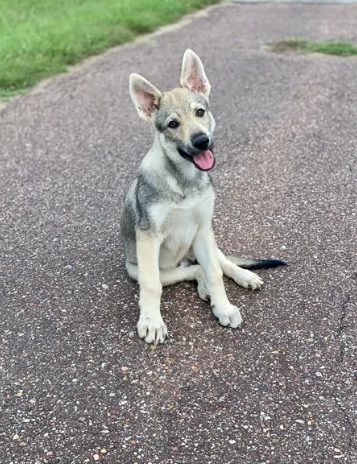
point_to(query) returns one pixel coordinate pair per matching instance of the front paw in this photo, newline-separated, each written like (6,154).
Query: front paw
(248,279)
(152,329)
(228,315)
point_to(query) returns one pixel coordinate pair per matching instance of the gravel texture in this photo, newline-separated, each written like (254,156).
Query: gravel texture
(77,385)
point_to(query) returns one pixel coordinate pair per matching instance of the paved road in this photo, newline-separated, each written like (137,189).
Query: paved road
(77,385)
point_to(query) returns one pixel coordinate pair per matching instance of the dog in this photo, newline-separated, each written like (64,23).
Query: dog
(166,225)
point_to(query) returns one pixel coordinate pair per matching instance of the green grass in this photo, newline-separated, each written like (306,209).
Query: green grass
(40,38)
(305,46)
(333,48)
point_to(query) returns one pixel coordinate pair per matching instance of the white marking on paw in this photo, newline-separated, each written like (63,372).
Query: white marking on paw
(228,315)
(152,329)
(247,279)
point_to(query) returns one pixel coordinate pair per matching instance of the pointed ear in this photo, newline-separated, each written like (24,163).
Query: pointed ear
(193,74)
(146,97)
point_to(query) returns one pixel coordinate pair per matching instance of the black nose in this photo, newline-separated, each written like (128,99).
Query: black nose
(200,142)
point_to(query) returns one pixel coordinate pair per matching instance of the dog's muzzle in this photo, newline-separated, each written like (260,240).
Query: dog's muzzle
(201,154)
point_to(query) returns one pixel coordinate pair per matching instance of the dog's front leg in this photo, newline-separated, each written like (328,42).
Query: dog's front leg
(206,253)
(151,326)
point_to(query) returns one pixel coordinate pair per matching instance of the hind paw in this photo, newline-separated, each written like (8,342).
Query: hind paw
(248,279)
(203,293)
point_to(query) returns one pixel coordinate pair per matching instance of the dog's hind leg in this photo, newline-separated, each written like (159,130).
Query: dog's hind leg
(242,277)
(169,276)
(176,275)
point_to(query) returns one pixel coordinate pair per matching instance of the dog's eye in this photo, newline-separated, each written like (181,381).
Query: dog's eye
(200,113)
(173,124)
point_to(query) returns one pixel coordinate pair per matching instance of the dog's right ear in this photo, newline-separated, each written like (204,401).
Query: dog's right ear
(146,97)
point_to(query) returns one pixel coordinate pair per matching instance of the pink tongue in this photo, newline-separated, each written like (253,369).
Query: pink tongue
(204,160)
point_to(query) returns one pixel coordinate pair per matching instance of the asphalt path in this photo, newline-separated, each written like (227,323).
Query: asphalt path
(77,385)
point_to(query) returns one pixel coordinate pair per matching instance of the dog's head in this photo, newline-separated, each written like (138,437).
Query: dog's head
(181,116)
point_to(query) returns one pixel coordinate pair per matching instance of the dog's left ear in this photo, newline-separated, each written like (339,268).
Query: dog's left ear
(193,74)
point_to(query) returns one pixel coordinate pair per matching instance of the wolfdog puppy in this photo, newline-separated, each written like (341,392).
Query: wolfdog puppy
(166,224)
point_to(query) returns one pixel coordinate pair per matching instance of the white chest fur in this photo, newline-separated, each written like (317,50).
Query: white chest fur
(179,223)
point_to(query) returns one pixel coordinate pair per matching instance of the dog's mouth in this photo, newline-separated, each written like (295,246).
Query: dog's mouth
(204,160)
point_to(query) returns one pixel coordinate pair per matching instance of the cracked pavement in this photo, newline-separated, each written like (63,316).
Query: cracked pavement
(77,385)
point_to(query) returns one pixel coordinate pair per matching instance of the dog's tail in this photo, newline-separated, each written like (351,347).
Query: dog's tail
(251,263)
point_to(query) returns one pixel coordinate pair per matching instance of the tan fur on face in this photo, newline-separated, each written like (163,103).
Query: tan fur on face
(181,105)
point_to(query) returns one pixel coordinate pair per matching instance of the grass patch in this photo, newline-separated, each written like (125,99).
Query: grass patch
(333,48)
(40,38)
(6,94)
(305,46)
